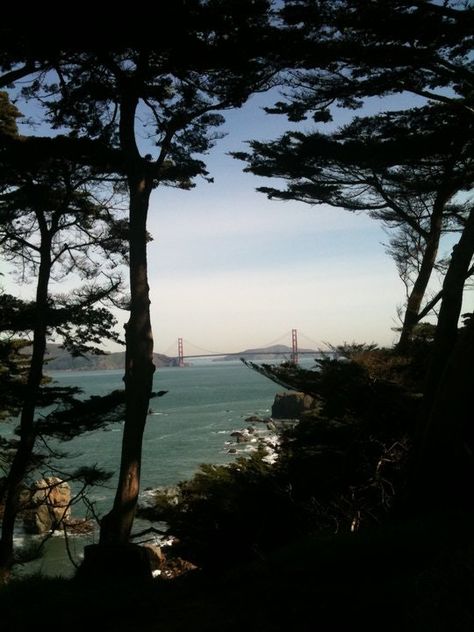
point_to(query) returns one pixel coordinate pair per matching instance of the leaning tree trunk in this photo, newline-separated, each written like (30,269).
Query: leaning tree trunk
(450,309)
(427,264)
(439,438)
(22,458)
(445,471)
(116,526)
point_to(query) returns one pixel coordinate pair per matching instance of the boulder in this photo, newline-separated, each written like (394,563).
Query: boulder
(155,556)
(241,436)
(291,405)
(48,506)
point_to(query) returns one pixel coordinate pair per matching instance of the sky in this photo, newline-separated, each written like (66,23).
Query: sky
(231,270)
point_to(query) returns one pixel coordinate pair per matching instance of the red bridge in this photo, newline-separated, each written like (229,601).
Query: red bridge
(293,354)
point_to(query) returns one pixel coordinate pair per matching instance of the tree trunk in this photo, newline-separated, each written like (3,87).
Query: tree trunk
(450,309)
(22,458)
(427,264)
(439,441)
(446,465)
(116,526)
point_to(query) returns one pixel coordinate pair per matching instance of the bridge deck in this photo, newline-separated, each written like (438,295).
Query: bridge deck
(241,354)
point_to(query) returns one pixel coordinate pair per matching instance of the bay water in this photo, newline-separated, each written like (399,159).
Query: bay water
(190,425)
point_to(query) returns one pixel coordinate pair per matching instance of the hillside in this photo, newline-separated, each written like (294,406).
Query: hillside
(274,352)
(60,360)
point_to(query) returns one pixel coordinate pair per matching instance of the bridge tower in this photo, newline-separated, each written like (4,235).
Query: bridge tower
(180,353)
(294,346)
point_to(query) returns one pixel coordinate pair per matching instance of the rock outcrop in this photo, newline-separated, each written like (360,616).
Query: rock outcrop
(48,505)
(292,405)
(155,556)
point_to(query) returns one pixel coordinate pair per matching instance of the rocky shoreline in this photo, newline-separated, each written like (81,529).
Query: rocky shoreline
(47,504)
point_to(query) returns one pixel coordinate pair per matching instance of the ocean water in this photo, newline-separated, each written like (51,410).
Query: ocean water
(190,425)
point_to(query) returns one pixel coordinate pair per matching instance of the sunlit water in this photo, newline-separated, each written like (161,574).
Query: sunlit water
(188,426)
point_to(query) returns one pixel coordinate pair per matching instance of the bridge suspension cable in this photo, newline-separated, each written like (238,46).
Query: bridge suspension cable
(213,352)
(313,342)
(170,350)
(191,344)
(285,336)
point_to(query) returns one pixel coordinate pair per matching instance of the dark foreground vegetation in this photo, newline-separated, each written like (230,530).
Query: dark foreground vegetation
(327,537)
(416,576)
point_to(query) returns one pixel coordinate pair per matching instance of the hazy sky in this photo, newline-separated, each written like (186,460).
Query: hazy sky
(230,269)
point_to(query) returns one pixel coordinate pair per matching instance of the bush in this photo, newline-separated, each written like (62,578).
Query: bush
(338,470)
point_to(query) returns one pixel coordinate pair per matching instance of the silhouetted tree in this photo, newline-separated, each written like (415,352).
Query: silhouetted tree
(28,393)
(174,78)
(443,475)
(13,366)
(347,50)
(403,168)
(53,224)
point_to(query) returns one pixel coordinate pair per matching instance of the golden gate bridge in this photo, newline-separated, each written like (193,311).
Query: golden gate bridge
(292,353)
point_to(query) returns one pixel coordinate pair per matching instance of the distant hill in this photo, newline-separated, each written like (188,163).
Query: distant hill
(61,360)
(274,352)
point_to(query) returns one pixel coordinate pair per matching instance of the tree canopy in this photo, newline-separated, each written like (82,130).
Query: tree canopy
(350,49)
(405,168)
(139,108)
(171,82)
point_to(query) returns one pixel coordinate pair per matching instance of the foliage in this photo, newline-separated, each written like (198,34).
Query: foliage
(8,115)
(227,514)
(375,163)
(171,85)
(74,320)
(416,576)
(54,221)
(74,416)
(340,469)
(176,79)
(13,373)
(350,49)
(404,168)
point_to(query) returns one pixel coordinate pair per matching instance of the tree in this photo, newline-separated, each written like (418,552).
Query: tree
(403,168)
(348,50)
(53,224)
(13,366)
(60,414)
(175,78)
(444,469)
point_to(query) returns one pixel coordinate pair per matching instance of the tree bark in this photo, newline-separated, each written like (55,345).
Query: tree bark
(439,437)
(446,465)
(116,526)
(417,294)
(450,309)
(22,458)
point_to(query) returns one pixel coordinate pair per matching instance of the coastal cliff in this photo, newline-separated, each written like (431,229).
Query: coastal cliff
(61,360)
